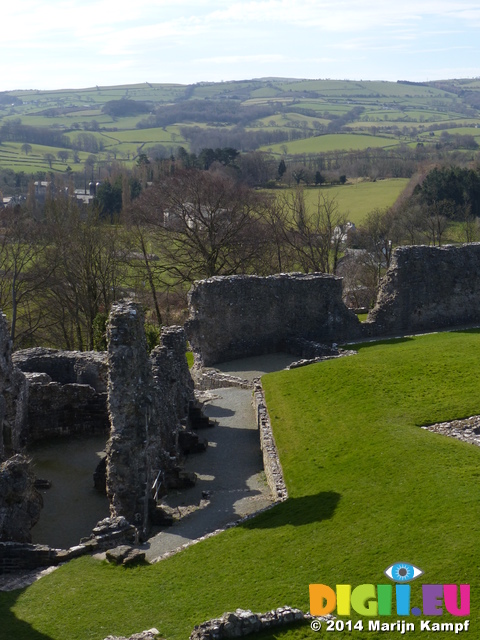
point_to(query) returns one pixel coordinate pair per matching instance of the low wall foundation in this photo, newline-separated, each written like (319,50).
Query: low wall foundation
(271,461)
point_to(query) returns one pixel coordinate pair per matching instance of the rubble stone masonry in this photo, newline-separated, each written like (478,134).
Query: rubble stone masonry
(428,288)
(238,316)
(148,401)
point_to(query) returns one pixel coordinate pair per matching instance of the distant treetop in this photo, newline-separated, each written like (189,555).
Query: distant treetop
(124,107)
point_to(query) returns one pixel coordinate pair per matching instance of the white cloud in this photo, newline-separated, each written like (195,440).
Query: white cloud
(140,18)
(344,15)
(173,39)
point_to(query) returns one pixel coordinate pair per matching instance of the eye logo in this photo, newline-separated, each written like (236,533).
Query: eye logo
(402,572)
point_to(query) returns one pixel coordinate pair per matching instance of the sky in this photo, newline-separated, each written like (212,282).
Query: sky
(55,44)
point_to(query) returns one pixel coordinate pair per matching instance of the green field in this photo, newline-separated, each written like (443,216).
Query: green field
(359,199)
(11,153)
(367,488)
(145,135)
(332,142)
(289,120)
(356,200)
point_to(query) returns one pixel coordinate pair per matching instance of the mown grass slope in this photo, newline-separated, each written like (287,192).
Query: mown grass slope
(367,487)
(358,199)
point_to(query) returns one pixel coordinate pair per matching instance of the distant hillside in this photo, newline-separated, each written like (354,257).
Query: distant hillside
(286,117)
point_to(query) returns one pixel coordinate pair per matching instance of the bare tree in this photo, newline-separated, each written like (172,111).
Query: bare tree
(359,270)
(437,221)
(25,274)
(315,234)
(145,265)
(89,256)
(204,224)
(470,225)
(378,235)
(278,253)
(410,222)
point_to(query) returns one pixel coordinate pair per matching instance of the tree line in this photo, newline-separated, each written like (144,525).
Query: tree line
(62,266)
(208,111)
(238,137)
(15,131)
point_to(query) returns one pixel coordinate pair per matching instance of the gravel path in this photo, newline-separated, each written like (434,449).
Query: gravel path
(230,470)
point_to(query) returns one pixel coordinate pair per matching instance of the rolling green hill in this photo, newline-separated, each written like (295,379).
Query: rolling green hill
(313,116)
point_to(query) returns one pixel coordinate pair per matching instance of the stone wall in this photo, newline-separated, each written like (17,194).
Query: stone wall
(20,502)
(148,401)
(236,624)
(425,289)
(173,385)
(150,634)
(208,378)
(65,367)
(238,316)
(108,533)
(67,392)
(271,460)
(428,288)
(56,409)
(245,623)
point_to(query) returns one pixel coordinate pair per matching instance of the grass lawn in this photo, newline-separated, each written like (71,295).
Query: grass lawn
(367,488)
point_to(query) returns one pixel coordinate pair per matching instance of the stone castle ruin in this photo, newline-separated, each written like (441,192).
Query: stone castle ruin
(149,401)
(145,402)
(238,316)
(20,502)
(425,288)
(67,392)
(428,288)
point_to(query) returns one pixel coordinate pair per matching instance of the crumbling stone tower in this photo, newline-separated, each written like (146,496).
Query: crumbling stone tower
(148,402)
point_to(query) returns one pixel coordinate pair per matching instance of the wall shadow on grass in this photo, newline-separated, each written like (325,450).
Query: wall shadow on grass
(11,627)
(297,511)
